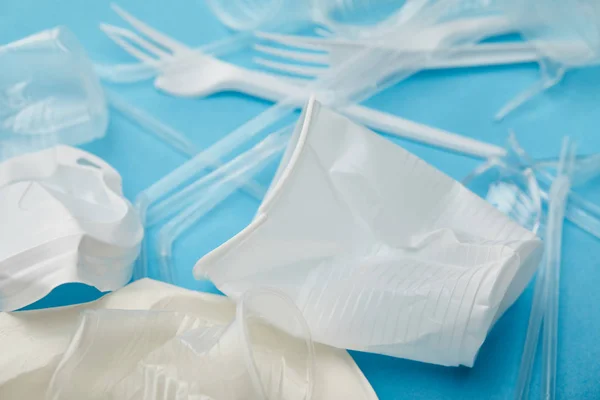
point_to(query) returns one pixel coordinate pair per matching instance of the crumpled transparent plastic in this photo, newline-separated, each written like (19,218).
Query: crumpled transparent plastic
(34,342)
(171,355)
(348,17)
(64,219)
(518,186)
(509,183)
(566,33)
(380,251)
(49,94)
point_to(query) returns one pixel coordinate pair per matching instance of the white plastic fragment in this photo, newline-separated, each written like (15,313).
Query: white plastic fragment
(544,306)
(64,219)
(380,251)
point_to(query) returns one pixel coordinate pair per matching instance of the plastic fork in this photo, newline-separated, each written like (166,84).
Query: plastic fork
(330,51)
(202,75)
(566,34)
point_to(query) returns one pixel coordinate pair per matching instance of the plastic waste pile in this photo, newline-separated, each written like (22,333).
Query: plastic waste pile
(356,243)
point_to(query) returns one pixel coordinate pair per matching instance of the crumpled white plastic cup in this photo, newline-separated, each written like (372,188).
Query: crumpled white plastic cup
(64,219)
(381,252)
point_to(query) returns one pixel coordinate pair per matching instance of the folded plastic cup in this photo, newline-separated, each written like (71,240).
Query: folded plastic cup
(49,94)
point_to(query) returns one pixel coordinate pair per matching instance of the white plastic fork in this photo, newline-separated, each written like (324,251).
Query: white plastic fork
(189,73)
(331,51)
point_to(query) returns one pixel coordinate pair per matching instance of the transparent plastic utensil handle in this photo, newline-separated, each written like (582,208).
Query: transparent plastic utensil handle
(230,177)
(544,296)
(558,200)
(170,136)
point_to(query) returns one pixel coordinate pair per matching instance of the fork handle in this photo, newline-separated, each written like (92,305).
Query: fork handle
(276,89)
(407,129)
(269,87)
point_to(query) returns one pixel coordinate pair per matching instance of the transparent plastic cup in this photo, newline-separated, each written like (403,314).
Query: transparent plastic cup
(244,15)
(348,16)
(156,355)
(49,94)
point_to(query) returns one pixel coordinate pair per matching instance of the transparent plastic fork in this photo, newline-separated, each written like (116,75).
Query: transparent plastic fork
(203,75)
(325,52)
(356,79)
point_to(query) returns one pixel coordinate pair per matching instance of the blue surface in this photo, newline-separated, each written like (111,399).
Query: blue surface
(463,101)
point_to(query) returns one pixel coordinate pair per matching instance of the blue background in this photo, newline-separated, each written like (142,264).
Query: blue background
(463,101)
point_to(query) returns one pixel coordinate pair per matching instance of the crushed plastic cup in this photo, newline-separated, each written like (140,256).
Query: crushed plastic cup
(64,219)
(35,341)
(566,32)
(172,355)
(49,94)
(353,226)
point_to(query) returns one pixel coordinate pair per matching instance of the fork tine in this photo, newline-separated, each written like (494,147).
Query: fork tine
(303,70)
(114,34)
(117,34)
(293,55)
(158,37)
(301,42)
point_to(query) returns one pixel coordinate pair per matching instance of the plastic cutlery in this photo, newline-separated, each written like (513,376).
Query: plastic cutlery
(202,75)
(330,51)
